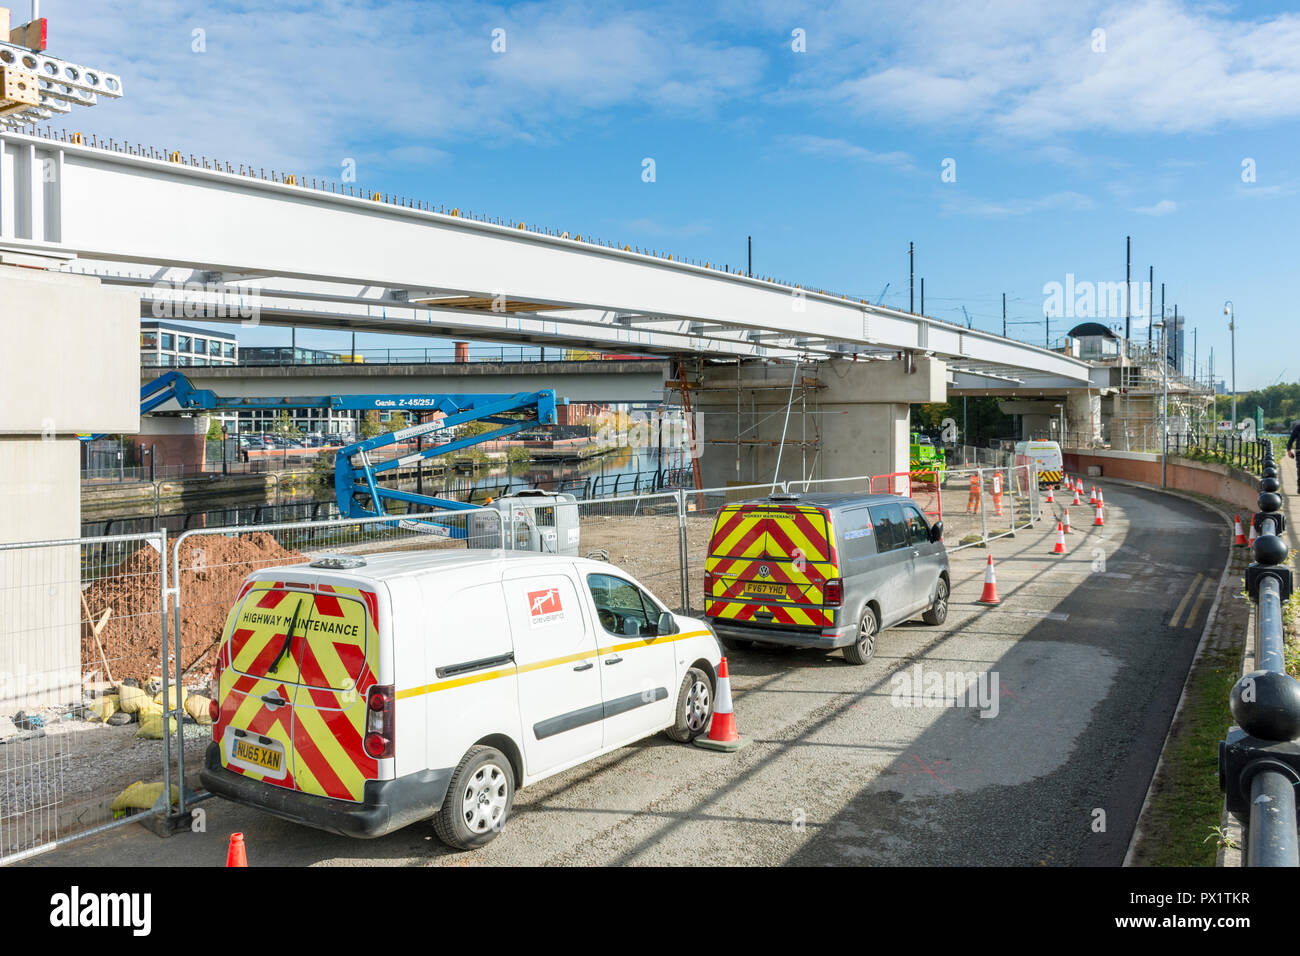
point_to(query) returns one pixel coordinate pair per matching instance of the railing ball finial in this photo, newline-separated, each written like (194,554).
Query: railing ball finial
(1266,705)
(1270,483)
(1269,549)
(1270,501)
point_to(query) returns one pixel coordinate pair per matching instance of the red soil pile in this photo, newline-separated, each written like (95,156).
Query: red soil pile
(212,568)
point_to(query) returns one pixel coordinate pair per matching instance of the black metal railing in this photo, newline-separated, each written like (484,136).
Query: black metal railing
(1259,762)
(1231,449)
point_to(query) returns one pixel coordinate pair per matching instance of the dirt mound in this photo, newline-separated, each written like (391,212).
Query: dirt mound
(212,568)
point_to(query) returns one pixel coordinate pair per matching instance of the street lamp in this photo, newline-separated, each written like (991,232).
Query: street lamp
(1232,333)
(1164,405)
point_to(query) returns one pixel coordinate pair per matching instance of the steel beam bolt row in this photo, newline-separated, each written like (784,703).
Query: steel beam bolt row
(1259,762)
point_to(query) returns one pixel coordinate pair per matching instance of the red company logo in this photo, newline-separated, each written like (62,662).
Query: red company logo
(541,603)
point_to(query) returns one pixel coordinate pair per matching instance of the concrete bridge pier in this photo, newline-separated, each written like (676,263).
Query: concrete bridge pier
(845,418)
(70,365)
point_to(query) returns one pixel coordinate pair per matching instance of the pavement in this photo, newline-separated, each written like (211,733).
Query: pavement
(1084,661)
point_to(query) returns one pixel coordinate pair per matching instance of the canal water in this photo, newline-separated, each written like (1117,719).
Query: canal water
(621,472)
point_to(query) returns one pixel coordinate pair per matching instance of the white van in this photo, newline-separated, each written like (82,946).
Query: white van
(1045,456)
(359,695)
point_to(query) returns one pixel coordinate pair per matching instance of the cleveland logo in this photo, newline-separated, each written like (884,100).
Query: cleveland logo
(544,606)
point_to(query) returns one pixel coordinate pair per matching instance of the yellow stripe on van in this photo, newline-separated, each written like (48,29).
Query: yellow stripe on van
(553,662)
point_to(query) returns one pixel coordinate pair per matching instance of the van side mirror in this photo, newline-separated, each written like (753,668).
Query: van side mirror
(936,532)
(666,624)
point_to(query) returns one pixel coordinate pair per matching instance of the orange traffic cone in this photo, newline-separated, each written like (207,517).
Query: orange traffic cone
(1239,537)
(1076,500)
(990,594)
(1060,540)
(722,730)
(1066,522)
(235,856)
(1101,498)
(1100,521)
(1250,542)
(1050,499)
(1092,495)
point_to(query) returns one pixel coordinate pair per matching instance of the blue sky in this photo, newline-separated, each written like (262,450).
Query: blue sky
(1063,140)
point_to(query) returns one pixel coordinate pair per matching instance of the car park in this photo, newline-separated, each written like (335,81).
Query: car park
(823,570)
(359,695)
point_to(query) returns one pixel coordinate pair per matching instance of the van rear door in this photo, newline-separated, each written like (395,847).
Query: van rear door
(768,564)
(298,663)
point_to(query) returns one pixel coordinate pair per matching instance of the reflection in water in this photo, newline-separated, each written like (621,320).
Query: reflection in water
(623,471)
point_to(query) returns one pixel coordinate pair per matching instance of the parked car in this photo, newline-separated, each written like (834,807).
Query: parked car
(359,695)
(823,571)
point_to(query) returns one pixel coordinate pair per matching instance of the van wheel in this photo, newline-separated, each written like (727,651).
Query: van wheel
(938,612)
(479,799)
(694,706)
(736,643)
(860,651)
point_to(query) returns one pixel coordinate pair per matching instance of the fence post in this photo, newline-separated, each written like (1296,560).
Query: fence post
(984,519)
(682,559)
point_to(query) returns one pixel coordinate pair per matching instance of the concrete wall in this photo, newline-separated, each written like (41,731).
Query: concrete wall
(1218,481)
(858,413)
(70,364)
(175,439)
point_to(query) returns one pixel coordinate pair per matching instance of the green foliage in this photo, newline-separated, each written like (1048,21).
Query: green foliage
(371,425)
(396,421)
(214,429)
(984,419)
(516,454)
(1281,405)
(285,427)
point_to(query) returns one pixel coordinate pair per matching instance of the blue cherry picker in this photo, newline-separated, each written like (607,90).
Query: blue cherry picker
(356,478)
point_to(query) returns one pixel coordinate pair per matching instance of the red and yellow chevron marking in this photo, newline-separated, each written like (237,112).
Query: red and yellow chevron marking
(792,542)
(325,678)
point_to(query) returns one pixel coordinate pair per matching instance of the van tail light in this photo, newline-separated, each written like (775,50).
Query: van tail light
(214,705)
(833,591)
(709,579)
(380,705)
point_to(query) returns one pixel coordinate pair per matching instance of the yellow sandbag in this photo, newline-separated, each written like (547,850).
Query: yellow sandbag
(151,726)
(148,708)
(140,796)
(130,698)
(103,707)
(172,699)
(196,705)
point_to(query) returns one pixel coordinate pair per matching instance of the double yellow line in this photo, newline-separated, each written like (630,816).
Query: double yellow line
(1202,588)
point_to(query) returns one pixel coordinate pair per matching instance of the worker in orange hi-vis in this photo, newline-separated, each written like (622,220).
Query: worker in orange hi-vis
(973,501)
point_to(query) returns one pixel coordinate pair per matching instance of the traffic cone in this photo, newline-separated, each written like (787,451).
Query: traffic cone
(1101,498)
(235,856)
(1050,499)
(1092,495)
(1060,540)
(1239,536)
(1066,522)
(1250,542)
(990,594)
(1076,500)
(722,729)
(1100,521)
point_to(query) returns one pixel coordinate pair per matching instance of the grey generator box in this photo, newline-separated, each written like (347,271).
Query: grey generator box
(541,521)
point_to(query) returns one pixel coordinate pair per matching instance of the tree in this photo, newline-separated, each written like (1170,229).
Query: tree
(371,425)
(284,426)
(396,421)
(214,429)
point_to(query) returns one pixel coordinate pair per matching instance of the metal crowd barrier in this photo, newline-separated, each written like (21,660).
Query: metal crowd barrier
(1259,762)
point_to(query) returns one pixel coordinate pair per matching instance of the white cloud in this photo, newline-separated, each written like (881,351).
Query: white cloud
(1163,208)
(308,84)
(993,209)
(1028,70)
(843,149)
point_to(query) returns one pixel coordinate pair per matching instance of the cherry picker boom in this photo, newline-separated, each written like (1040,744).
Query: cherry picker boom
(356,486)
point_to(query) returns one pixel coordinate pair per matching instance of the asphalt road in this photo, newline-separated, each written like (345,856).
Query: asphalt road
(1089,651)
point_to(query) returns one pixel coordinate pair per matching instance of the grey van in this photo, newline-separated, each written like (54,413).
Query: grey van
(823,570)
